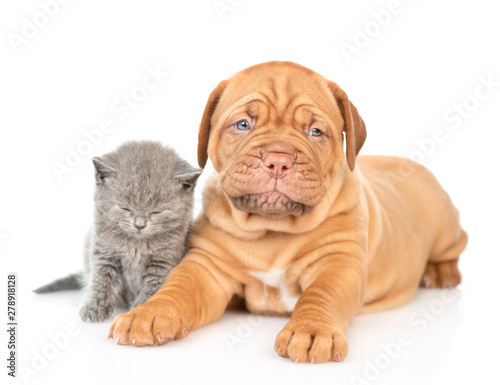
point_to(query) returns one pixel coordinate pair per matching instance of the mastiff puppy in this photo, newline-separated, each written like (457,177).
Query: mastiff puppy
(295,224)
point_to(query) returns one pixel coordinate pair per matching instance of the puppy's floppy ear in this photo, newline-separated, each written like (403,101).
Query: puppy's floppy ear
(354,127)
(204,132)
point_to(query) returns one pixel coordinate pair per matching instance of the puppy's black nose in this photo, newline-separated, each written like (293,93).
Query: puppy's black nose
(139,222)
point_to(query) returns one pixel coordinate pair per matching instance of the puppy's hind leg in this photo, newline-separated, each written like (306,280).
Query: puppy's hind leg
(441,274)
(442,269)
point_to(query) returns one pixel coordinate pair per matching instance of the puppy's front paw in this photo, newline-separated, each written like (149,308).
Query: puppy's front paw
(147,324)
(301,341)
(93,312)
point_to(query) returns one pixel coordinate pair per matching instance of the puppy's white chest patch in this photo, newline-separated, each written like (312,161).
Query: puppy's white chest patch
(274,278)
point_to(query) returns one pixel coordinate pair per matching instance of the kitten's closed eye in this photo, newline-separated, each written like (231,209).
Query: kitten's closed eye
(126,209)
(161,214)
(157,214)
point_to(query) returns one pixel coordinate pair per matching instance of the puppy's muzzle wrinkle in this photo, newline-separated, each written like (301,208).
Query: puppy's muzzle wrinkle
(272,203)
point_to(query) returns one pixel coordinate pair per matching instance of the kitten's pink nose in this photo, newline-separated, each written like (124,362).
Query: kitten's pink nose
(139,222)
(277,163)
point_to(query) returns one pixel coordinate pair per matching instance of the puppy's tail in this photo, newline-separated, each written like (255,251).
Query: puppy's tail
(71,282)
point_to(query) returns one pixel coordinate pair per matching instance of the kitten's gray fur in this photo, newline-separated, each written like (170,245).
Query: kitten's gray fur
(143,208)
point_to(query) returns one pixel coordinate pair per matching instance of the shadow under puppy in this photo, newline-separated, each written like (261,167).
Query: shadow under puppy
(143,209)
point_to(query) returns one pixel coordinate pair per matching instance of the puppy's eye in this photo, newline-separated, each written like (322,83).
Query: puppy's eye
(315,132)
(242,125)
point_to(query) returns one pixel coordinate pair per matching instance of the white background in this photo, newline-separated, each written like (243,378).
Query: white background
(428,57)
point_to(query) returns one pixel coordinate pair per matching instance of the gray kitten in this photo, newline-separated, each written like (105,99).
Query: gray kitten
(143,208)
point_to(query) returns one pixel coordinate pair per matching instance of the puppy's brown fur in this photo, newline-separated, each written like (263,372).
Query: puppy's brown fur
(293,224)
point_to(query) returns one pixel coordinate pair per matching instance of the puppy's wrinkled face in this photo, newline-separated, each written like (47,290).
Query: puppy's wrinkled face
(276,141)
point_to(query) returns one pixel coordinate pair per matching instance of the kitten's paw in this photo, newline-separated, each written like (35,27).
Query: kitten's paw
(92,312)
(147,324)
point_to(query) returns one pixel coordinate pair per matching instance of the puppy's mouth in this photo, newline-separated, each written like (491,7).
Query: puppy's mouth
(270,204)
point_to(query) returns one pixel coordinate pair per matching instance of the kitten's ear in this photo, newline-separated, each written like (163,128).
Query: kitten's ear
(188,179)
(102,170)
